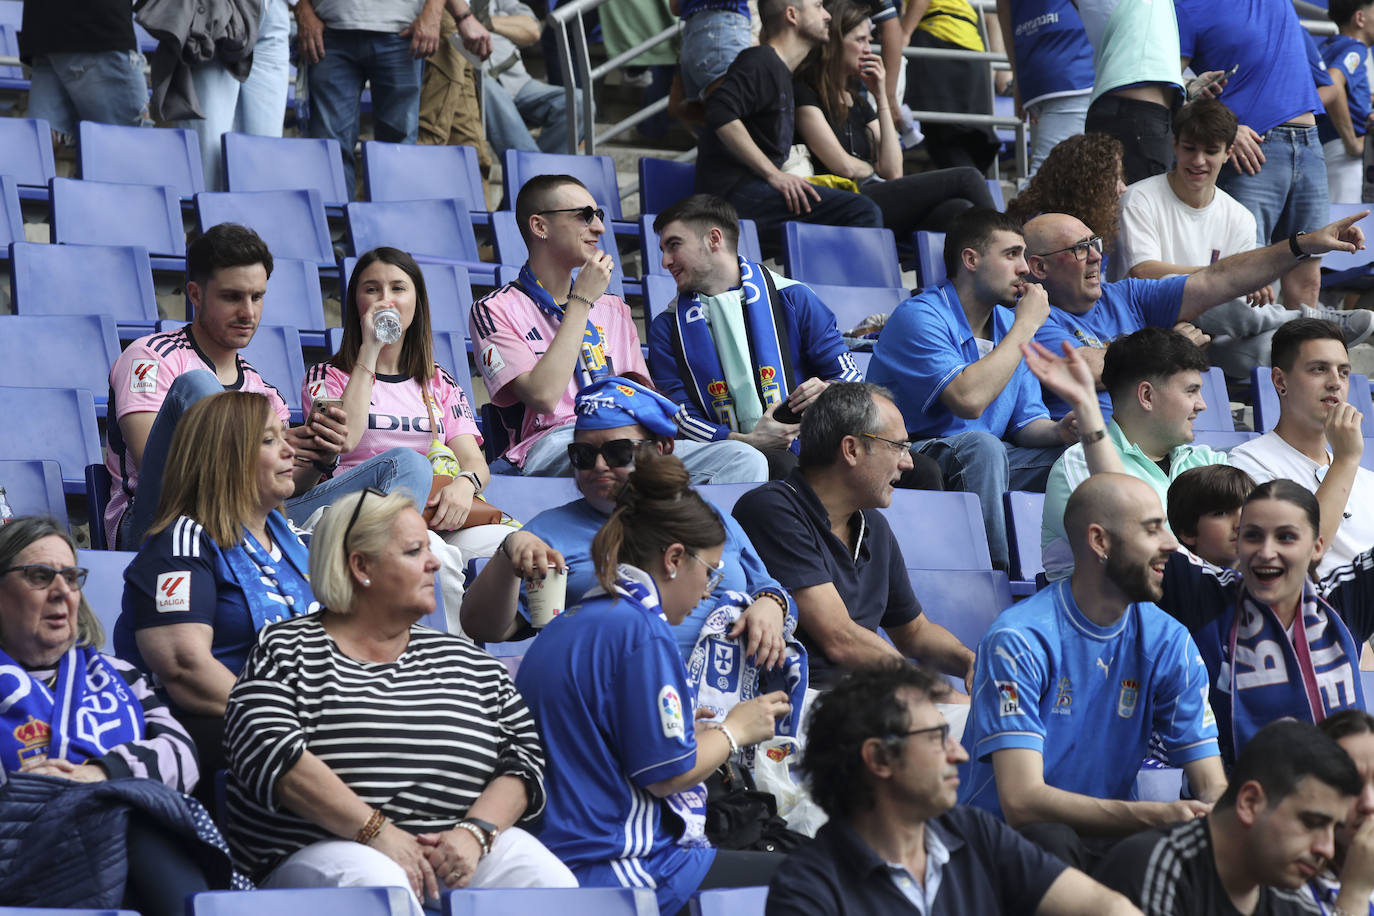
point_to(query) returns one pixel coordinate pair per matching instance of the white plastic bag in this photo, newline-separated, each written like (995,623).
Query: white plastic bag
(773,760)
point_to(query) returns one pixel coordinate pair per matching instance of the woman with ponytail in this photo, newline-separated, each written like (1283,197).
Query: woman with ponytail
(608,688)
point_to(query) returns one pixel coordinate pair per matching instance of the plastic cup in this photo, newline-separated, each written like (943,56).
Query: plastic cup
(546,596)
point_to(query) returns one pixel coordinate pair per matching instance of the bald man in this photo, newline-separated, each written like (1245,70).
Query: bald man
(1070,683)
(1066,257)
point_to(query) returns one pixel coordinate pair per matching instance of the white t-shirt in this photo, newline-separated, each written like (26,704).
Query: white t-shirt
(1269,457)
(1157,226)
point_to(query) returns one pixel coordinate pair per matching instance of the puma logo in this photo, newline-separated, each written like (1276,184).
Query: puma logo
(1106,668)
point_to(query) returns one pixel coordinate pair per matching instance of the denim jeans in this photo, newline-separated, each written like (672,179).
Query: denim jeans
(351,58)
(768,209)
(255,106)
(1289,192)
(1054,120)
(104,86)
(711,40)
(730,461)
(1143,129)
(980,463)
(537,104)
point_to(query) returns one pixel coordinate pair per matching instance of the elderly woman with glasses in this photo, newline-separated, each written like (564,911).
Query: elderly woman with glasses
(365,749)
(76,715)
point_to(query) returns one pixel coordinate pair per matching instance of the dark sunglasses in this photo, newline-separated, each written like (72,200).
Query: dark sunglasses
(40,575)
(586,213)
(357,507)
(618,453)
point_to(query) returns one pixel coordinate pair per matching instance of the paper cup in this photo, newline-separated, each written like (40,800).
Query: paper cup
(546,596)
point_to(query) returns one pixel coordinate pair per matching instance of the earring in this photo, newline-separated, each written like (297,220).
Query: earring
(1282,391)
(672,574)
(1102,559)
(367,583)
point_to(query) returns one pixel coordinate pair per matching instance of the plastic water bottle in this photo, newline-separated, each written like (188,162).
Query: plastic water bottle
(6,513)
(386,323)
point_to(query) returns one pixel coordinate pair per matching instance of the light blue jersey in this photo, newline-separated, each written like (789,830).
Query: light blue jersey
(1086,697)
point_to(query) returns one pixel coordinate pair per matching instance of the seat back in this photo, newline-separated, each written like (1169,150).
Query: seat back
(1217,416)
(596,172)
(55,423)
(447,285)
(1340,262)
(734,901)
(58,351)
(253,163)
(525,497)
(451,352)
(511,250)
(108,213)
(653,258)
(565,901)
(336,901)
(291,222)
(959,541)
(1024,512)
(852,304)
(11,217)
(136,155)
(34,487)
(1267,406)
(930,258)
(404,171)
(664,182)
(98,482)
(104,589)
(724,495)
(963,601)
(425,228)
(26,152)
(275,351)
(840,255)
(293,299)
(113,280)
(1223,442)
(995,189)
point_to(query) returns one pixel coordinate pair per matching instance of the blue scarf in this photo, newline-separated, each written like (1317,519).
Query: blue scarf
(90,712)
(769,353)
(274,590)
(1260,675)
(591,362)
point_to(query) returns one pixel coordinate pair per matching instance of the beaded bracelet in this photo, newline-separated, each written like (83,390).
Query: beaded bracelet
(368,832)
(776,597)
(477,833)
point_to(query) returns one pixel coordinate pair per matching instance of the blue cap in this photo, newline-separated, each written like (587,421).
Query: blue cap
(618,401)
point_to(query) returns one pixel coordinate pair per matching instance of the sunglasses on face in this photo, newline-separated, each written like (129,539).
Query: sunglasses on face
(586,214)
(40,575)
(618,453)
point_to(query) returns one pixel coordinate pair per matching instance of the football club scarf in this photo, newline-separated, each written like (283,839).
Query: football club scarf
(273,589)
(89,711)
(737,361)
(591,360)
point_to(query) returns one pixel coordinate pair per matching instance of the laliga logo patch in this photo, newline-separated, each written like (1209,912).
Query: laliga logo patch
(670,713)
(1125,704)
(315,389)
(174,592)
(491,361)
(1008,698)
(1352,62)
(143,376)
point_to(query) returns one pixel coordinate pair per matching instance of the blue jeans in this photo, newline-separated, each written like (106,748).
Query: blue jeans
(1055,120)
(711,40)
(1289,192)
(758,200)
(336,84)
(982,464)
(255,106)
(104,86)
(399,467)
(730,461)
(537,104)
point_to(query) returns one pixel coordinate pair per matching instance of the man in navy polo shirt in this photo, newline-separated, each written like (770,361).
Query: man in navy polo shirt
(882,763)
(819,533)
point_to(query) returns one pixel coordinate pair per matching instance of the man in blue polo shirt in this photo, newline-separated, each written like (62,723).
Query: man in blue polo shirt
(952,358)
(1066,256)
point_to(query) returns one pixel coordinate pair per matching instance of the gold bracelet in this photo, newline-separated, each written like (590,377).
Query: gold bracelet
(368,832)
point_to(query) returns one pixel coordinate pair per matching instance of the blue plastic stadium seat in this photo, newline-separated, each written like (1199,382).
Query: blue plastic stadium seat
(26,155)
(404,171)
(136,155)
(438,230)
(293,299)
(98,482)
(11,217)
(840,255)
(1267,400)
(1217,417)
(105,586)
(725,495)
(663,182)
(1347,270)
(11,78)
(659,294)
(862,359)
(12,12)
(275,351)
(113,280)
(511,250)
(735,901)
(109,213)
(336,901)
(292,222)
(525,497)
(1024,513)
(451,352)
(959,541)
(58,351)
(1223,442)
(253,163)
(930,258)
(852,304)
(56,423)
(565,901)
(995,189)
(596,172)
(653,258)
(34,487)
(447,284)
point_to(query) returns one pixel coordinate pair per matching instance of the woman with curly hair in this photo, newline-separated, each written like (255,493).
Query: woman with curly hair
(1081,177)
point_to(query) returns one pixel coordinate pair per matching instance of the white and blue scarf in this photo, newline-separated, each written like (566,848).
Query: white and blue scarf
(273,589)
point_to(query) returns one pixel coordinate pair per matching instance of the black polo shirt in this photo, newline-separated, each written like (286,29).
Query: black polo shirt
(790,529)
(991,869)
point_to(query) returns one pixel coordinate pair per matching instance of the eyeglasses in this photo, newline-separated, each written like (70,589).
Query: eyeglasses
(898,446)
(716,573)
(618,453)
(1080,249)
(586,213)
(357,507)
(942,729)
(40,575)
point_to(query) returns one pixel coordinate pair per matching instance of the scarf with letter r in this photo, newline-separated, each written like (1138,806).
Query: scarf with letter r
(591,360)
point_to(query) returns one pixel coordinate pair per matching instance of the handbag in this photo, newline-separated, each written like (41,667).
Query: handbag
(446,468)
(739,816)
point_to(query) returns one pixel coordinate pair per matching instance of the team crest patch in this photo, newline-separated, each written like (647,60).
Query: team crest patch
(143,376)
(1130,693)
(670,713)
(174,592)
(1008,698)
(491,361)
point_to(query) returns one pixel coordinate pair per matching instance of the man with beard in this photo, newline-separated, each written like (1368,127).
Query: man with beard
(1070,683)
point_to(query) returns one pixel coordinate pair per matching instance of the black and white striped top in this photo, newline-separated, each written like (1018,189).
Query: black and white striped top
(419,738)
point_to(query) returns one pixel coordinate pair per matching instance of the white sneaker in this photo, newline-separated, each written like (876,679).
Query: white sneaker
(1356,324)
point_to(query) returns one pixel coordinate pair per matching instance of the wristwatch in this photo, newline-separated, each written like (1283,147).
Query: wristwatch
(473,478)
(1297,251)
(489,830)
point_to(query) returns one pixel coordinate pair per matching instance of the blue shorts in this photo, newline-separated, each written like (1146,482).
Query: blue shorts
(1289,194)
(711,40)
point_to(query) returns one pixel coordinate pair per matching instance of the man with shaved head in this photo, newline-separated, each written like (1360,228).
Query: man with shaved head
(1066,257)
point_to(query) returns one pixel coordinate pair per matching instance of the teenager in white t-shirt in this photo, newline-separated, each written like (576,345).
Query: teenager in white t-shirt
(1180,222)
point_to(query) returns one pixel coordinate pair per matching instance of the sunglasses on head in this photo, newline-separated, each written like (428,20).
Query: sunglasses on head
(618,453)
(587,214)
(353,519)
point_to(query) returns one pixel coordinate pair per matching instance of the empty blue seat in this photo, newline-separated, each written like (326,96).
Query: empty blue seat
(725,495)
(55,423)
(11,217)
(109,213)
(1267,400)
(404,171)
(104,588)
(840,255)
(525,497)
(34,487)
(113,280)
(275,351)
(294,299)
(253,163)
(852,304)
(446,283)
(292,222)
(596,172)
(52,351)
(1024,513)
(451,352)
(98,482)
(1217,416)
(963,601)
(664,182)
(26,155)
(511,250)
(734,901)
(659,294)
(11,78)
(653,258)
(959,541)
(336,901)
(432,229)
(565,901)
(930,258)
(136,155)
(12,11)
(1223,442)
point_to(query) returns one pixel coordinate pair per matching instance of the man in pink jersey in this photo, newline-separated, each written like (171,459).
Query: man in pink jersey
(158,377)
(541,339)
